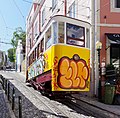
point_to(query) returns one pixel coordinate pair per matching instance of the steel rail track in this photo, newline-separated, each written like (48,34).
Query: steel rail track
(97,107)
(90,109)
(71,101)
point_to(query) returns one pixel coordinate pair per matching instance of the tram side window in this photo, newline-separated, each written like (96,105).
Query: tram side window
(36,53)
(33,56)
(55,32)
(42,45)
(75,35)
(29,61)
(38,50)
(61,32)
(48,41)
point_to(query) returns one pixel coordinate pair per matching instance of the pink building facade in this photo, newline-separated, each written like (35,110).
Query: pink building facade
(108,33)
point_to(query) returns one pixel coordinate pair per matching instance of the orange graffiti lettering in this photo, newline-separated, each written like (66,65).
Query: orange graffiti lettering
(73,73)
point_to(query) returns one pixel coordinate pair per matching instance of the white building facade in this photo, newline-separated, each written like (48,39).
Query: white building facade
(19,56)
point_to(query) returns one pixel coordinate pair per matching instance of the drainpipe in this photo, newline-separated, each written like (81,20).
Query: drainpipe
(65,7)
(93,49)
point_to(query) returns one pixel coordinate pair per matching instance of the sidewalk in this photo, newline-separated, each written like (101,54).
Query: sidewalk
(5,109)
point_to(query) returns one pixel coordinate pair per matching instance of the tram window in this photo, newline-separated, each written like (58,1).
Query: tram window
(31,58)
(55,32)
(75,35)
(42,45)
(29,61)
(33,55)
(43,16)
(30,43)
(48,41)
(61,32)
(36,53)
(38,50)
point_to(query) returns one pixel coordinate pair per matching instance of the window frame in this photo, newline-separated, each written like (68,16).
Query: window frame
(75,39)
(54,4)
(72,10)
(112,6)
(43,16)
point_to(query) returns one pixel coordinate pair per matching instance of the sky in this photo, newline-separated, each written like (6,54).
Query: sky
(13,14)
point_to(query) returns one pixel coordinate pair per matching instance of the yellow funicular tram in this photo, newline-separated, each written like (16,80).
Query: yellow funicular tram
(60,58)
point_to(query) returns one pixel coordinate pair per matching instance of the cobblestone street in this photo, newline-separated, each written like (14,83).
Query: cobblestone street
(34,105)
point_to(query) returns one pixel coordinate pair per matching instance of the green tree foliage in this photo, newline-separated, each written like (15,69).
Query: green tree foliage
(19,34)
(11,54)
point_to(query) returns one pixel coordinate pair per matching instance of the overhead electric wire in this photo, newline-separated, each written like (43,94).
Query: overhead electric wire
(11,44)
(10,28)
(58,7)
(4,42)
(47,15)
(20,12)
(4,23)
(3,19)
(81,5)
(27,1)
(103,6)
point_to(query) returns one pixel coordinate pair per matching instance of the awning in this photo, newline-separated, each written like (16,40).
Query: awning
(114,38)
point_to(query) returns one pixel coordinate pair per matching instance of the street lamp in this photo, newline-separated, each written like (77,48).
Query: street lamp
(98,48)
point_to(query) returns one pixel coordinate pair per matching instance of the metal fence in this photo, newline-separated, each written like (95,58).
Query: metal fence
(14,100)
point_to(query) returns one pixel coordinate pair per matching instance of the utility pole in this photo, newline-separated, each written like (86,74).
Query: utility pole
(65,7)
(93,3)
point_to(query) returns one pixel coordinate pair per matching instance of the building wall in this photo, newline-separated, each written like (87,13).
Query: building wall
(29,27)
(106,14)
(107,22)
(19,56)
(36,29)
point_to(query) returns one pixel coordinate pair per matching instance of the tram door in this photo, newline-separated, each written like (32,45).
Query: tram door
(115,57)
